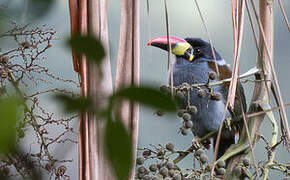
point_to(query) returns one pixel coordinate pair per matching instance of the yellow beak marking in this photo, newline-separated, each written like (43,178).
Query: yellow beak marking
(180,48)
(191,57)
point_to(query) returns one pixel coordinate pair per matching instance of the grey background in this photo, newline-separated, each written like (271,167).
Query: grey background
(184,22)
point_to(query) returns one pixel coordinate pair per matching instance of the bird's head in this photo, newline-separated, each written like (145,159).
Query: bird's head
(190,49)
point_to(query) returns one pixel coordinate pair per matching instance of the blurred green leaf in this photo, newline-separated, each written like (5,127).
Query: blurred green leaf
(75,104)
(8,120)
(89,46)
(118,148)
(147,96)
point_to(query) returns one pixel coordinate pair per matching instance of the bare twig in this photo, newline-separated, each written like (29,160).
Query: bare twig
(286,130)
(284,14)
(208,35)
(169,62)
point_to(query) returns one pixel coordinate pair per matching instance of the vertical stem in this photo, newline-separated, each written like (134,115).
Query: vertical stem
(90,17)
(128,67)
(260,95)
(99,88)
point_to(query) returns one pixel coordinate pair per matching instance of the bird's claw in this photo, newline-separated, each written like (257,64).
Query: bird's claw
(228,123)
(200,142)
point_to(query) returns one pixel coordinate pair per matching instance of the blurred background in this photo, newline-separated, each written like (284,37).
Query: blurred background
(184,22)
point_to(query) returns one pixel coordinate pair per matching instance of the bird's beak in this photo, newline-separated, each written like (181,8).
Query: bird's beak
(179,46)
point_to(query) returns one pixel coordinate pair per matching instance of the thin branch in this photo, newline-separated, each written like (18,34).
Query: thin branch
(169,46)
(283,112)
(250,72)
(284,14)
(208,35)
(273,140)
(265,111)
(249,138)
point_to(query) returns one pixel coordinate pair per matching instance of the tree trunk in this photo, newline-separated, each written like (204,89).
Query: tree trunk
(128,66)
(96,82)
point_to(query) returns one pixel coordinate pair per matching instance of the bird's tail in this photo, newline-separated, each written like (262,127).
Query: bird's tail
(227,139)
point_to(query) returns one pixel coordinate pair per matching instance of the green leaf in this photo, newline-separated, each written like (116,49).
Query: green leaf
(75,104)
(118,149)
(8,120)
(89,46)
(147,96)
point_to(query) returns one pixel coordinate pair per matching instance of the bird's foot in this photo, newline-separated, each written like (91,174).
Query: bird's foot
(201,142)
(228,123)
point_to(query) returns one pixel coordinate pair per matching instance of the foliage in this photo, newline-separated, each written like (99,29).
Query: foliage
(89,46)
(24,80)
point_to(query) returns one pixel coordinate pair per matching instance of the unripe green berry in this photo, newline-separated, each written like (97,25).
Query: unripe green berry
(170,165)
(216,96)
(146,153)
(159,113)
(186,116)
(140,175)
(201,93)
(141,169)
(153,167)
(192,109)
(179,94)
(170,147)
(203,158)
(164,171)
(176,177)
(161,152)
(188,124)
(185,84)
(171,172)
(199,152)
(140,160)
(156,178)
(25,44)
(160,165)
(181,112)
(4,59)
(221,171)
(184,131)
(221,163)
(212,75)
(146,177)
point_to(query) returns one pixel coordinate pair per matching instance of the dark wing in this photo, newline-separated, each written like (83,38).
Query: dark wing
(228,137)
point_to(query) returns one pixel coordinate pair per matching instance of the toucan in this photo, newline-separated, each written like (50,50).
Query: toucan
(195,60)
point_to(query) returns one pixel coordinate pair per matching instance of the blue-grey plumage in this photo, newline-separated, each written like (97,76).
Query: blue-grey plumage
(194,61)
(209,115)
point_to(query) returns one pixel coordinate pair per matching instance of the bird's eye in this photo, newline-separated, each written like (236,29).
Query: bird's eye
(197,50)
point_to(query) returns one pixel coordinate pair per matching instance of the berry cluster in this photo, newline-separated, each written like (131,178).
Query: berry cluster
(162,167)
(157,163)
(182,94)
